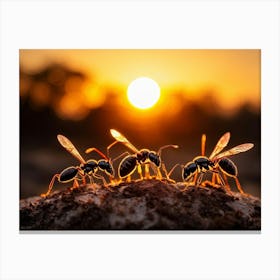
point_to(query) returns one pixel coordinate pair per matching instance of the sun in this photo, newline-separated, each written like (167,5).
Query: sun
(143,93)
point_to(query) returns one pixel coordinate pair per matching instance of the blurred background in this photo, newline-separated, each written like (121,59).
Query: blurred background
(83,93)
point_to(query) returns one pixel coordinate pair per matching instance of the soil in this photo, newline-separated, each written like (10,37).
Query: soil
(142,205)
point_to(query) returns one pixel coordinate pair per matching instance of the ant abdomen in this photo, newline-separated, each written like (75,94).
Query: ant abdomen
(189,170)
(228,167)
(127,166)
(68,174)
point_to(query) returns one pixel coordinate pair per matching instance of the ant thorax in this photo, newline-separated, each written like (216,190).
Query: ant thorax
(143,155)
(89,167)
(203,163)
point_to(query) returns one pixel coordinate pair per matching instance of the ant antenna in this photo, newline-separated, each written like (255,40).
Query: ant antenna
(89,150)
(172,169)
(167,146)
(203,144)
(121,155)
(110,146)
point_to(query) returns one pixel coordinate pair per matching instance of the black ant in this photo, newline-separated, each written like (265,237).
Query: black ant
(216,162)
(104,164)
(76,173)
(144,156)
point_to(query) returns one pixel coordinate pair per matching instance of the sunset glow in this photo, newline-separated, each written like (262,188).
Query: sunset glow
(230,78)
(143,93)
(232,74)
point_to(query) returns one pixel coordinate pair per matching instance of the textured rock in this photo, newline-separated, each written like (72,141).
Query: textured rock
(142,205)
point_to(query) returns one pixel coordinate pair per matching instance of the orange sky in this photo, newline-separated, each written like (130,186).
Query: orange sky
(233,74)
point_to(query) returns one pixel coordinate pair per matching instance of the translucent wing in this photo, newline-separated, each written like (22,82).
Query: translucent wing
(119,137)
(67,144)
(236,150)
(221,144)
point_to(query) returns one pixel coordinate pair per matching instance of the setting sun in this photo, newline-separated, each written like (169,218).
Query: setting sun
(143,93)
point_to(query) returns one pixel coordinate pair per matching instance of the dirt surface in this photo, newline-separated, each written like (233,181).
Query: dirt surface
(142,205)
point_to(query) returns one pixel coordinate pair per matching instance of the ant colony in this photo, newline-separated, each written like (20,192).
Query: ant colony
(217,164)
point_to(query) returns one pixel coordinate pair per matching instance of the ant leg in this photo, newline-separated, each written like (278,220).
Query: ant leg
(139,169)
(188,183)
(112,180)
(164,170)
(82,175)
(110,146)
(128,179)
(213,180)
(226,183)
(104,181)
(91,179)
(100,177)
(155,170)
(75,185)
(50,185)
(159,175)
(172,169)
(200,178)
(239,186)
(147,171)
(84,180)
(195,178)
(167,174)
(218,178)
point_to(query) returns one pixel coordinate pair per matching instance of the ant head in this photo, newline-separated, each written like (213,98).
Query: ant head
(106,166)
(154,158)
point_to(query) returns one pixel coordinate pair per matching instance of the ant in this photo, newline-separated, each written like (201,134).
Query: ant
(144,156)
(216,162)
(104,164)
(75,173)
